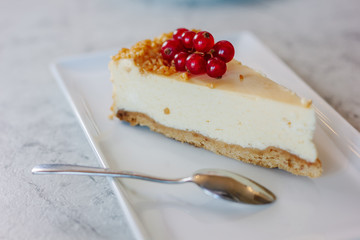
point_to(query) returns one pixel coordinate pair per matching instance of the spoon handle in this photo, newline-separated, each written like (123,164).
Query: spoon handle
(68,169)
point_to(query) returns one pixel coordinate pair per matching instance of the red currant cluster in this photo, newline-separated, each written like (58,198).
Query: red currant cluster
(197,53)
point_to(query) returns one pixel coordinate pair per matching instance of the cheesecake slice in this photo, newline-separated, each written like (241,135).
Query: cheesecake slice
(243,115)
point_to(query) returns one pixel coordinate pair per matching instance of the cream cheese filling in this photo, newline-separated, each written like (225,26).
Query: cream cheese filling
(235,117)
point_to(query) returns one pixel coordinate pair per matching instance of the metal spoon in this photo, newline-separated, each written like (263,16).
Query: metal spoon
(215,182)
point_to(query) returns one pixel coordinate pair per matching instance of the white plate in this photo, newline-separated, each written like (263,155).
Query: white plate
(324,208)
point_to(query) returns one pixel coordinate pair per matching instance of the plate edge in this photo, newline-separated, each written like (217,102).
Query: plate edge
(135,224)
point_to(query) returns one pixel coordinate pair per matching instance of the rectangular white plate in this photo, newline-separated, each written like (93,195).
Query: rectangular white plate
(324,208)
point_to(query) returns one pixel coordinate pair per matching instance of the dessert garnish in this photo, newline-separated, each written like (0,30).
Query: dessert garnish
(197,53)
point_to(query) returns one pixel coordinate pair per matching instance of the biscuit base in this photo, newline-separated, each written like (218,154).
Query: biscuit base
(270,157)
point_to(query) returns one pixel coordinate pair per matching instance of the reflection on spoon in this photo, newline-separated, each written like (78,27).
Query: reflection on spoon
(215,182)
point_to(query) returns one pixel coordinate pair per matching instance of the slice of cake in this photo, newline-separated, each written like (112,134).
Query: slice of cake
(242,115)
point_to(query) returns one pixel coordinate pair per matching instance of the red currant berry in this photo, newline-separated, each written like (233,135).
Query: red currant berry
(203,41)
(180,61)
(187,39)
(170,48)
(215,67)
(224,50)
(195,63)
(207,56)
(178,32)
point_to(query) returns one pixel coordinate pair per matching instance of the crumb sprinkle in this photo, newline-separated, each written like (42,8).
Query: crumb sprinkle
(211,85)
(306,102)
(166,111)
(184,76)
(147,56)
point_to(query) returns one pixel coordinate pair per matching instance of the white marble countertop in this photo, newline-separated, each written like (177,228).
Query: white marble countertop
(318,39)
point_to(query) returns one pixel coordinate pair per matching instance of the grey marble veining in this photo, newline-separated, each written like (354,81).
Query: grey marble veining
(318,39)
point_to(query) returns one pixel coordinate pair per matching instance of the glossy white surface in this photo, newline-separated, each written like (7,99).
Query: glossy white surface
(322,208)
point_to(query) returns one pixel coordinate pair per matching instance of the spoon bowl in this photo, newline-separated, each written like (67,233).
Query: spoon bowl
(232,187)
(217,183)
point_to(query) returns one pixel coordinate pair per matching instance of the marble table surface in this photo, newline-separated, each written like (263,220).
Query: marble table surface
(318,39)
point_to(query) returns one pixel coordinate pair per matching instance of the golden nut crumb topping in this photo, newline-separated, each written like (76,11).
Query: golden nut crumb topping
(211,85)
(167,111)
(306,102)
(147,56)
(184,76)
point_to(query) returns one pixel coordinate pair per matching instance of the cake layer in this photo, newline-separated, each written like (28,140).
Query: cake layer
(252,118)
(250,83)
(271,157)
